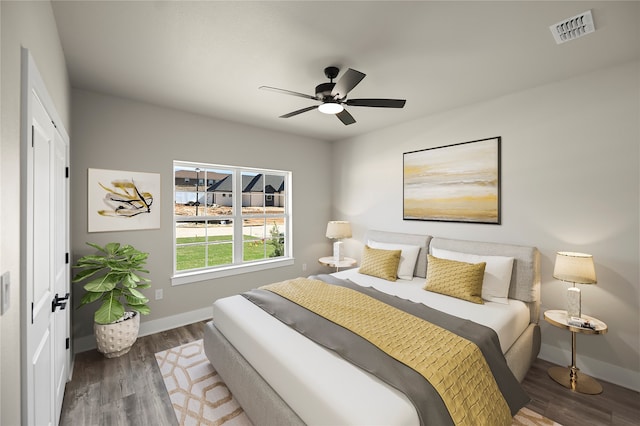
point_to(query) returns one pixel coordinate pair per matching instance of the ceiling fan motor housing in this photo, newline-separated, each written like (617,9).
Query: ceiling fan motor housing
(323,91)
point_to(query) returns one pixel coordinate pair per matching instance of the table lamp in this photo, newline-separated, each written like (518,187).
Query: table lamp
(337,230)
(576,268)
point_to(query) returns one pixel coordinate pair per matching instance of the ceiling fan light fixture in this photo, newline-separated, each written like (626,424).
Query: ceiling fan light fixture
(330,108)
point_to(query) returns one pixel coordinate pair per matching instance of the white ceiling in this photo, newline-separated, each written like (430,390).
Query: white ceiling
(210,57)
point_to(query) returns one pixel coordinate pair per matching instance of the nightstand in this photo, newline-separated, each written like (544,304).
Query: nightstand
(330,261)
(571,377)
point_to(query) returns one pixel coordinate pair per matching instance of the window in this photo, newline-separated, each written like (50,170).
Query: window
(240,221)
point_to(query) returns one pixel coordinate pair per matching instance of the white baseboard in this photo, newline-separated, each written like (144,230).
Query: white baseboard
(598,369)
(87,343)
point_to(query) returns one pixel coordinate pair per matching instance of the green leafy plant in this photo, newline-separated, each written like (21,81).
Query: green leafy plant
(277,241)
(114,281)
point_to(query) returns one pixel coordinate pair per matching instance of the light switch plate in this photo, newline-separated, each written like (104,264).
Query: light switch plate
(5,290)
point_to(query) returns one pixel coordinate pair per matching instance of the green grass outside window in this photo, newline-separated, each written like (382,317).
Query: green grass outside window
(220,251)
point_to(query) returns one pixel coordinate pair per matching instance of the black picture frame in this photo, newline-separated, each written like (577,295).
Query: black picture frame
(454,183)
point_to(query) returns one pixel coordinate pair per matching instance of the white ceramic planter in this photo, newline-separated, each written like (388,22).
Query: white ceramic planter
(116,339)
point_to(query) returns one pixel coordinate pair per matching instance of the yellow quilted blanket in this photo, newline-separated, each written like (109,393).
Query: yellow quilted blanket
(454,366)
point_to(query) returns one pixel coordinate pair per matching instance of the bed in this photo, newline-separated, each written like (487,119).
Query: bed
(280,377)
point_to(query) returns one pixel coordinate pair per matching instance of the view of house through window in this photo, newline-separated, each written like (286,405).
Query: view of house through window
(229,216)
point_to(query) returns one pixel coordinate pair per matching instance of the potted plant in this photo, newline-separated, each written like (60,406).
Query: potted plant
(113,280)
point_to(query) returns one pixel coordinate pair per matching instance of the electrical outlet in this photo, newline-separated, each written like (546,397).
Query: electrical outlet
(159,294)
(5,290)
(304,267)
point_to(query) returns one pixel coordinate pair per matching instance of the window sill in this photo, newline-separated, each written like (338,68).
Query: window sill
(192,277)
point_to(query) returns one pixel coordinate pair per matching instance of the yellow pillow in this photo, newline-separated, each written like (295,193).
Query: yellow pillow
(456,279)
(380,263)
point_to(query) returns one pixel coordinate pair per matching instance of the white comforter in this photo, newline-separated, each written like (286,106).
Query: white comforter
(319,385)
(508,321)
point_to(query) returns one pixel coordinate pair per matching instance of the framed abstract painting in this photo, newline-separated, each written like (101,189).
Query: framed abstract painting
(121,200)
(453,183)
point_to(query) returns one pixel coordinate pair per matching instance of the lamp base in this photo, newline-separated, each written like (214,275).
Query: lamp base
(338,251)
(573,302)
(572,378)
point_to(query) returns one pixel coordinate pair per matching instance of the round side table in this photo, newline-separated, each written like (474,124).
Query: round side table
(330,261)
(571,377)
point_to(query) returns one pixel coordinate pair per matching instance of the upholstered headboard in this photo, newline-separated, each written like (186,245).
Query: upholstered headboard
(525,276)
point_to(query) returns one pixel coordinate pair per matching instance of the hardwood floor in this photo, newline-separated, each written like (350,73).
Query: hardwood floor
(129,390)
(614,406)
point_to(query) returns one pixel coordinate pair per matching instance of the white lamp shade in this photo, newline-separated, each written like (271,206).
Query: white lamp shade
(338,229)
(575,268)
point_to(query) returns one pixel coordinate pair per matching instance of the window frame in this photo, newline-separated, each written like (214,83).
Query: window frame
(238,265)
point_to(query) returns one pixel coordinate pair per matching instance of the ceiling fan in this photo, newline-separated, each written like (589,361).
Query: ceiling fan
(333,96)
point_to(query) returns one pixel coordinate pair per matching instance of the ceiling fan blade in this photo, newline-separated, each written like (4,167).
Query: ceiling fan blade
(347,82)
(287,92)
(300,111)
(378,103)
(345,117)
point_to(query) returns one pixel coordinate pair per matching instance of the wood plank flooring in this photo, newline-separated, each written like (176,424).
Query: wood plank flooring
(614,406)
(129,390)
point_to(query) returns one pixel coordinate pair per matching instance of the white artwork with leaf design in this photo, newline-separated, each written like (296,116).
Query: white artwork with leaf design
(122,200)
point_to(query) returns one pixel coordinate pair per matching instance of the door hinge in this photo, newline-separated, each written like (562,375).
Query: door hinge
(66,172)
(33,132)
(66,258)
(67,343)
(31,312)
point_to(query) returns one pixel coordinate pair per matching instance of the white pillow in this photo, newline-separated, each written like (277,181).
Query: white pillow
(408,257)
(497,273)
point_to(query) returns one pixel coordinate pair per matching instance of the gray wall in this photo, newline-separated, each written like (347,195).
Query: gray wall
(570,161)
(30,25)
(118,134)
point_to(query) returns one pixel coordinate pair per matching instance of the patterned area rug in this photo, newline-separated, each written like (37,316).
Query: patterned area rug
(198,394)
(200,397)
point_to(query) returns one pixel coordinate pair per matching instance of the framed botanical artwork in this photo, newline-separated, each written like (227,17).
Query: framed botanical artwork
(453,183)
(121,200)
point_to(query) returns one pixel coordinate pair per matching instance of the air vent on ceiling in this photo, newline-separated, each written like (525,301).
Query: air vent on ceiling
(572,28)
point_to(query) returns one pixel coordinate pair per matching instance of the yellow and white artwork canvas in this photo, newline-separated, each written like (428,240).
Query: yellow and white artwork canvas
(453,183)
(123,200)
